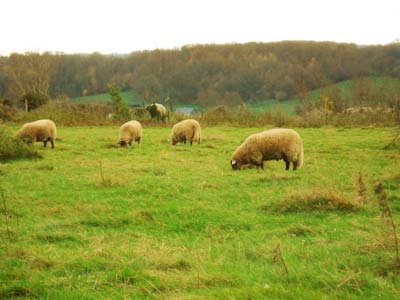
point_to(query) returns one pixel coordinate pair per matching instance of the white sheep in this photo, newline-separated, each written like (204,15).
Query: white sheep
(157,110)
(38,131)
(274,144)
(186,130)
(129,132)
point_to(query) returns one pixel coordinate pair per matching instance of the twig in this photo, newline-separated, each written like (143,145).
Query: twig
(279,257)
(387,212)
(3,196)
(347,279)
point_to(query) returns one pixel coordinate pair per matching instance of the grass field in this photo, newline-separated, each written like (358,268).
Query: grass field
(93,221)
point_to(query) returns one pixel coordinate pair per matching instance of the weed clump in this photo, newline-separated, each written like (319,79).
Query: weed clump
(316,200)
(14,148)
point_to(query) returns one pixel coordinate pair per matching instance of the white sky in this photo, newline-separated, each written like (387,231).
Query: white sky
(123,26)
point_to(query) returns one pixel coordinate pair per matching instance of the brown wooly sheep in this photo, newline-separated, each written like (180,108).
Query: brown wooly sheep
(129,132)
(159,112)
(186,130)
(38,131)
(274,144)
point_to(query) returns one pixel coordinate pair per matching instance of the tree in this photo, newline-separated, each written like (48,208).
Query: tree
(119,108)
(231,99)
(208,98)
(30,78)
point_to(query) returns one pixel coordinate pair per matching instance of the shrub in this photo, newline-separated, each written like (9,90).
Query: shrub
(14,148)
(7,112)
(69,114)
(316,200)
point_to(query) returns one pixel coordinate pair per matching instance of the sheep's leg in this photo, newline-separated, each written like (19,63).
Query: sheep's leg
(44,144)
(257,163)
(52,144)
(138,141)
(295,163)
(287,165)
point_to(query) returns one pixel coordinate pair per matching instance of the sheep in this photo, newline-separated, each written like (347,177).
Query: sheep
(157,110)
(186,130)
(129,132)
(38,131)
(274,144)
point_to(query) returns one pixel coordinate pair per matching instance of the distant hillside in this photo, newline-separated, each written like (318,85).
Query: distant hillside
(199,74)
(368,86)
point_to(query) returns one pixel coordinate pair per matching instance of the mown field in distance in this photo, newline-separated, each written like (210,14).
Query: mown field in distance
(132,98)
(94,221)
(129,97)
(273,105)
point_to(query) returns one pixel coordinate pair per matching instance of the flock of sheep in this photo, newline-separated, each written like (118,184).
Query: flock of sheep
(274,144)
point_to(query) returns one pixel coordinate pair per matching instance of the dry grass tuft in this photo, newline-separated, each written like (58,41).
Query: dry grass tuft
(45,167)
(362,190)
(276,176)
(316,200)
(302,230)
(180,265)
(208,185)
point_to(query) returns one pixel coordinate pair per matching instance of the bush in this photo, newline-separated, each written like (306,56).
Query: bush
(14,148)
(7,112)
(316,200)
(69,114)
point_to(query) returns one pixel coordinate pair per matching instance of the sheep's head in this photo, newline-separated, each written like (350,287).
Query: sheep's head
(173,139)
(235,164)
(153,110)
(123,143)
(24,137)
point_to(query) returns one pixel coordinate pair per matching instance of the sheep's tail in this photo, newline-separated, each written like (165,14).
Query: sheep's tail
(55,133)
(199,132)
(300,156)
(193,134)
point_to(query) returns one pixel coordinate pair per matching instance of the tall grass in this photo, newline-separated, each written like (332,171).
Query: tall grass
(14,148)
(78,114)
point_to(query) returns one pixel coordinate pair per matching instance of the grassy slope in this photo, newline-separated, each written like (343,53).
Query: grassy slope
(178,223)
(129,97)
(346,87)
(287,106)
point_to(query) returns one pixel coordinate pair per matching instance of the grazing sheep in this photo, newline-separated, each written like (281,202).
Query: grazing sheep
(157,110)
(38,131)
(274,144)
(129,132)
(186,130)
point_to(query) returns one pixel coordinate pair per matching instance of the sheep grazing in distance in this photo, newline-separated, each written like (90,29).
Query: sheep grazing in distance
(38,131)
(157,110)
(129,132)
(274,144)
(186,130)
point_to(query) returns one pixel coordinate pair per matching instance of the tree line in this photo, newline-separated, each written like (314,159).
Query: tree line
(196,74)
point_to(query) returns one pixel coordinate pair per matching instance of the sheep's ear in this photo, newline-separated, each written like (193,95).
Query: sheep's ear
(233,162)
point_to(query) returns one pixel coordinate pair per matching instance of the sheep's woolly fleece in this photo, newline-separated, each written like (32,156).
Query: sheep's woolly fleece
(38,131)
(274,144)
(129,132)
(186,130)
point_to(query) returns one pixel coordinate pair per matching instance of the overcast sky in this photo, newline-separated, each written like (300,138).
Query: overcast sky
(123,26)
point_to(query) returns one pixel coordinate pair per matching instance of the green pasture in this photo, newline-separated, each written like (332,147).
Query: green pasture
(90,220)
